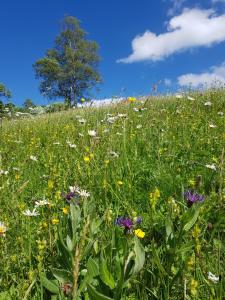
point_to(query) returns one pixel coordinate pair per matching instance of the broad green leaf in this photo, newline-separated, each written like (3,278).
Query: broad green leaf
(105,275)
(169,227)
(5,296)
(69,243)
(139,255)
(62,275)
(75,218)
(95,295)
(157,261)
(191,218)
(50,285)
(92,267)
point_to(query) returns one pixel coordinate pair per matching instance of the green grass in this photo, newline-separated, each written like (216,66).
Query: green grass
(165,146)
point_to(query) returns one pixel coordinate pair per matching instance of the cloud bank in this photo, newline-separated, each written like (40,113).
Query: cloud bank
(192,28)
(216,76)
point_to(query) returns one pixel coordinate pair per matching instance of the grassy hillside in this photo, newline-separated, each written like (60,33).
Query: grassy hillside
(136,160)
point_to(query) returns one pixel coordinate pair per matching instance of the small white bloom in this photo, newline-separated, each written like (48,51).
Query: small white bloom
(213,277)
(212,126)
(81,193)
(114,154)
(212,167)
(84,194)
(16,169)
(30,213)
(178,96)
(208,103)
(122,115)
(111,120)
(191,98)
(143,108)
(135,109)
(41,203)
(82,121)
(2,172)
(220,113)
(92,133)
(72,145)
(3,229)
(34,158)
(139,126)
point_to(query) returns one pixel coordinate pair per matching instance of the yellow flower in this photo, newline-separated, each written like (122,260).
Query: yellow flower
(139,233)
(131,99)
(193,287)
(50,184)
(106,162)
(55,221)
(87,159)
(192,183)
(82,100)
(3,229)
(154,196)
(17,176)
(65,210)
(119,182)
(196,232)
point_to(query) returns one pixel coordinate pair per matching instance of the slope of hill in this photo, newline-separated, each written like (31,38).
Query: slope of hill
(123,202)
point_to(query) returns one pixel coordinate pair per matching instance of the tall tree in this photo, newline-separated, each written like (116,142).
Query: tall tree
(70,68)
(4,92)
(28,103)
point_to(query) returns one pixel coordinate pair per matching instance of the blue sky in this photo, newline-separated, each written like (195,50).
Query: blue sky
(177,41)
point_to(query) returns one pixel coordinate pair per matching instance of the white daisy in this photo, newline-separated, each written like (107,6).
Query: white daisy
(34,158)
(82,121)
(178,96)
(212,126)
(212,167)
(114,154)
(41,203)
(30,213)
(2,172)
(84,194)
(213,277)
(92,133)
(220,113)
(191,98)
(208,103)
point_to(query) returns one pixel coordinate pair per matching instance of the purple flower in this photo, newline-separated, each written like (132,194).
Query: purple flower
(139,220)
(124,222)
(192,197)
(69,196)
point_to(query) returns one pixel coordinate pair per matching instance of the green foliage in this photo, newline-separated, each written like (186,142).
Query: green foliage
(28,103)
(70,68)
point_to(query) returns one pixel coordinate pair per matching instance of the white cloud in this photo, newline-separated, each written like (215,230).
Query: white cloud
(216,76)
(176,6)
(216,1)
(192,28)
(167,82)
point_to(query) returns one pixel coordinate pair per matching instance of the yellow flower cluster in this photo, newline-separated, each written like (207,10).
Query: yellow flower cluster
(154,197)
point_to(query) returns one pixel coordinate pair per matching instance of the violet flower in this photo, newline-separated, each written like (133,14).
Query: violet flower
(192,197)
(124,222)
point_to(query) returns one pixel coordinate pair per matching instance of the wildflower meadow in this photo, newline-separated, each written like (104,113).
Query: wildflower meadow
(124,201)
